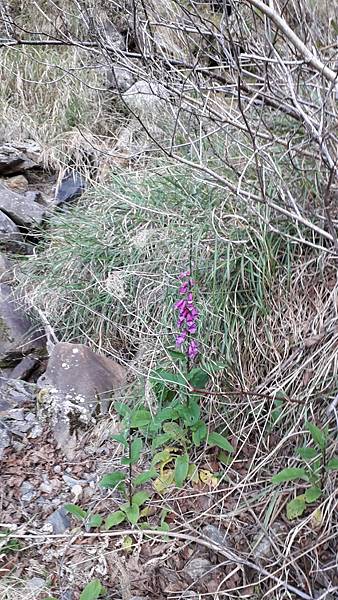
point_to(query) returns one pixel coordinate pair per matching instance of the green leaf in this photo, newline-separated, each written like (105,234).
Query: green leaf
(216,439)
(161,457)
(120,438)
(166,414)
(181,469)
(145,477)
(289,474)
(161,439)
(95,521)
(177,433)
(317,435)
(332,465)
(140,418)
(132,512)
(122,409)
(199,432)
(167,377)
(92,590)
(312,494)
(135,452)
(76,511)
(111,480)
(190,413)
(307,453)
(140,498)
(114,518)
(177,355)
(295,507)
(198,378)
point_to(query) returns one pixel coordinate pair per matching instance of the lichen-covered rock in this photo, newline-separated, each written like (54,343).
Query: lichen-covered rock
(147,99)
(77,383)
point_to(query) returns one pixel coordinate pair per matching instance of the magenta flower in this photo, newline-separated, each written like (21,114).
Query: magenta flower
(187,316)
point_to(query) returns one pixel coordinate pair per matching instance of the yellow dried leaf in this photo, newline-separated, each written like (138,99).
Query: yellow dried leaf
(317,518)
(208,478)
(127,543)
(164,481)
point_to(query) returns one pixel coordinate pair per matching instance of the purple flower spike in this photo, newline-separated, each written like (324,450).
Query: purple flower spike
(187,316)
(181,339)
(192,349)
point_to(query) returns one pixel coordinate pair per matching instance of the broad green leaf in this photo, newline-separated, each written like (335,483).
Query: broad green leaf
(132,512)
(92,590)
(111,480)
(216,439)
(161,439)
(289,474)
(122,409)
(198,378)
(145,477)
(307,453)
(135,452)
(199,432)
(177,355)
(295,507)
(317,435)
(140,418)
(140,498)
(166,414)
(177,433)
(76,511)
(190,412)
(193,473)
(312,494)
(114,518)
(181,469)
(332,465)
(95,521)
(120,438)
(167,377)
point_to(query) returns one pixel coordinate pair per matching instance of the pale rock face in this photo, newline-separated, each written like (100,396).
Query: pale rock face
(147,99)
(78,382)
(23,209)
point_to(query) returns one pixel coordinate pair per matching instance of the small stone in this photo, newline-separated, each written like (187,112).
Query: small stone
(28,491)
(197,568)
(60,520)
(18,183)
(36,584)
(76,491)
(71,187)
(46,488)
(57,469)
(216,535)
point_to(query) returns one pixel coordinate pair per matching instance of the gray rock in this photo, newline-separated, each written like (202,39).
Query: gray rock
(36,584)
(25,367)
(5,439)
(67,595)
(17,159)
(197,568)
(17,334)
(6,272)
(78,382)
(23,209)
(147,99)
(216,535)
(72,186)
(28,492)
(15,395)
(10,237)
(120,79)
(59,520)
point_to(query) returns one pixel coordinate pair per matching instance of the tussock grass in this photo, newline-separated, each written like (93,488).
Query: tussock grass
(106,273)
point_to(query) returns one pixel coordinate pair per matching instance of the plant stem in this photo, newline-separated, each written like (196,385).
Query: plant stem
(130,488)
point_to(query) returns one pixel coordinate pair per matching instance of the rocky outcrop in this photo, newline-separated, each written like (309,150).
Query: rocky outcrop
(22,209)
(17,158)
(18,336)
(77,384)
